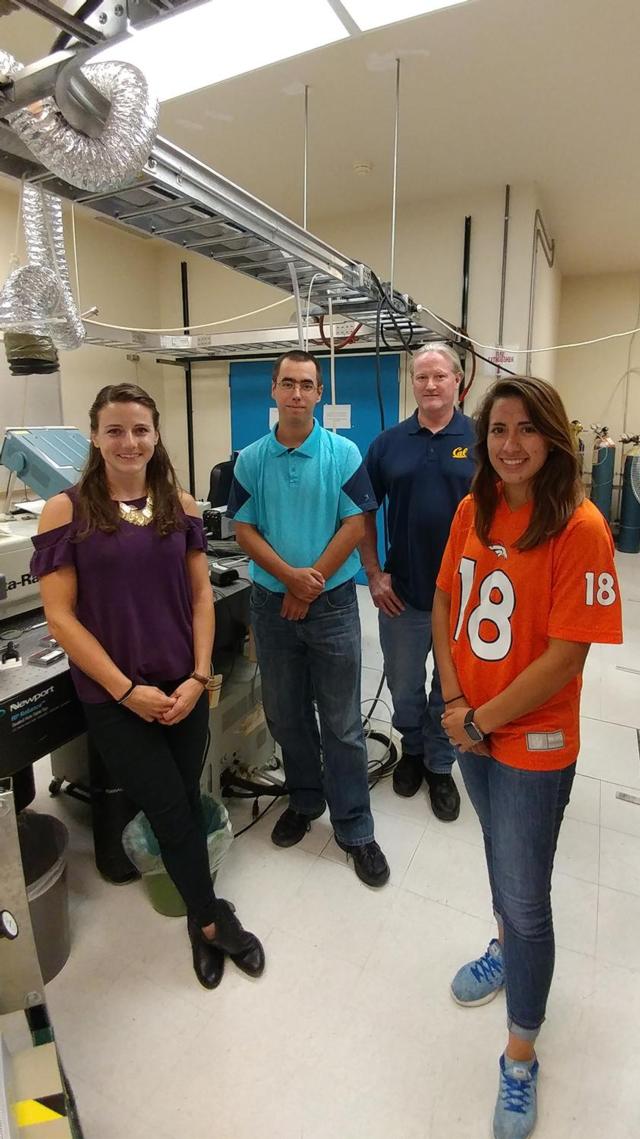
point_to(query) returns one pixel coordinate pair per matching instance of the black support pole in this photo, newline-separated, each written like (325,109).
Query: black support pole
(464,310)
(184,278)
(466,258)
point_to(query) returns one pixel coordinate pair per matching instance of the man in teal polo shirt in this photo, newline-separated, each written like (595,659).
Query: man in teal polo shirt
(298,498)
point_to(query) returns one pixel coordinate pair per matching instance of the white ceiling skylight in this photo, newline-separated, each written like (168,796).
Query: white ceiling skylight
(222,38)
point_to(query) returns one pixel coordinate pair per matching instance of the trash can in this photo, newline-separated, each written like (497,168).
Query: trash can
(43,847)
(141,846)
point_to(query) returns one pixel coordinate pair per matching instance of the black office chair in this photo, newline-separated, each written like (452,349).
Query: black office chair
(220,482)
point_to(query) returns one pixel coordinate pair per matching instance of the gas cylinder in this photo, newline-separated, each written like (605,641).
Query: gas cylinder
(604,459)
(576,430)
(629,534)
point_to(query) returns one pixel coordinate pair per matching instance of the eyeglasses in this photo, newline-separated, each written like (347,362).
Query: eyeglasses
(421,381)
(290,385)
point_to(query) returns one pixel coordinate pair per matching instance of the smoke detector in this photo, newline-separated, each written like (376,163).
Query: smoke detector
(363,169)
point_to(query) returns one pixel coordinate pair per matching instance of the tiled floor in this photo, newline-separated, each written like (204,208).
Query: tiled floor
(351,1033)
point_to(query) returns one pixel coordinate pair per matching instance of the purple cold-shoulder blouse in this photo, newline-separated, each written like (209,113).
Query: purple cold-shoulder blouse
(134,595)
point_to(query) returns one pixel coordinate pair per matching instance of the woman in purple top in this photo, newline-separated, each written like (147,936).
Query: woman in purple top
(126,592)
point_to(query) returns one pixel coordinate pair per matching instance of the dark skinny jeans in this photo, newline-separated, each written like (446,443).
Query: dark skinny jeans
(158,766)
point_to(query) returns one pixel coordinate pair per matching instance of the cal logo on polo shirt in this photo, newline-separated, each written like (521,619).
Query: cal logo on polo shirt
(459,452)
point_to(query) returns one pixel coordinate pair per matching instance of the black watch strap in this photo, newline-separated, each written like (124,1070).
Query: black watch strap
(471,728)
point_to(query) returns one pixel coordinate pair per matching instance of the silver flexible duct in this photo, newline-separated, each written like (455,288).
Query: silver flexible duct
(101,164)
(37,297)
(40,291)
(29,298)
(44,239)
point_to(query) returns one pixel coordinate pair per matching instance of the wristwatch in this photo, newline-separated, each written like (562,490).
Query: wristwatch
(471,728)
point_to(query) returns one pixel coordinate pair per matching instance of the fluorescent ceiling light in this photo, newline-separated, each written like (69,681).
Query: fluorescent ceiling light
(369,14)
(222,38)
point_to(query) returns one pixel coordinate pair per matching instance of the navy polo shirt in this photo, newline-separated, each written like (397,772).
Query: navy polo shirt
(424,476)
(298,497)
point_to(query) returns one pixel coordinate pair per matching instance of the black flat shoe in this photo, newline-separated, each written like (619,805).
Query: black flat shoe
(208,960)
(242,947)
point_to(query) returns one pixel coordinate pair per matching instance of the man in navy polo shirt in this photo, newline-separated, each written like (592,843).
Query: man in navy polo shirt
(424,467)
(298,498)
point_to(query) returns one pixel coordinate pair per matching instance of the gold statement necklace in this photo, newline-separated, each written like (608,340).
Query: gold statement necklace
(137,515)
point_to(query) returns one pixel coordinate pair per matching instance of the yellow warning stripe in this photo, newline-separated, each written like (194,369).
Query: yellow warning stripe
(30,1111)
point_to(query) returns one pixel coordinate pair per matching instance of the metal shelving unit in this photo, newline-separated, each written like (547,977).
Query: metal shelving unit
(236,345)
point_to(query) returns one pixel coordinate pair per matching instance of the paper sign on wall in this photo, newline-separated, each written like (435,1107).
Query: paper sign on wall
(273,417)
(336,415)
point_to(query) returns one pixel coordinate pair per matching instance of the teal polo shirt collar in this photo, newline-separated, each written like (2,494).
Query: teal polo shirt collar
(455,426)
(308,448)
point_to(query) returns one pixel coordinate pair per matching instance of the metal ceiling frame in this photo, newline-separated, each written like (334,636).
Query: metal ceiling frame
(181,200)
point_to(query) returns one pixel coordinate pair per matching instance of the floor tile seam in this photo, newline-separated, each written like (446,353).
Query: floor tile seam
(599,873)
(264,838)
(615,890)
(579,877)
(618,830)
(401,883)
(433,828)
(607,959)
(187,998)
(613,723)
(404,818)
(343,958)
(446,905)
(314,860)
(321,852)
(583,822)
(614,782)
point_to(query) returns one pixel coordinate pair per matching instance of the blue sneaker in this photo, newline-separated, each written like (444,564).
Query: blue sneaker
(478,982)
(516,1107)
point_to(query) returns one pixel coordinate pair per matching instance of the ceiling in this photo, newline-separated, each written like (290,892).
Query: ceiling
(493,91)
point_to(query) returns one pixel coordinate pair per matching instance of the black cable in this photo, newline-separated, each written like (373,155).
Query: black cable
(468,345)
(256,820)
(382,769)
(231,782)
(378,363)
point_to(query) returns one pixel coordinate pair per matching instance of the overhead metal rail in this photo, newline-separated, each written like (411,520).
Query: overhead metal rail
(223,345)
(179,199)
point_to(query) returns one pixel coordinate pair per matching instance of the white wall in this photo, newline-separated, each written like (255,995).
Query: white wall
(429,255)
(118,272)
(215,293)
(593,380)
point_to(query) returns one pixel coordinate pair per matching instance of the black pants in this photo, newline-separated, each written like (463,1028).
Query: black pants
(158,767)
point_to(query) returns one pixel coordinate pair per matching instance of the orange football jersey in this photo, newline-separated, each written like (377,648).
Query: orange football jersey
(506,604)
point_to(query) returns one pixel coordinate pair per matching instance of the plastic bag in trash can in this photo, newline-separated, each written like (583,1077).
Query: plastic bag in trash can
(141,844)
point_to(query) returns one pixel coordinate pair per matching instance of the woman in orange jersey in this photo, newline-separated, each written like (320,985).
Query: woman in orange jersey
(527,583)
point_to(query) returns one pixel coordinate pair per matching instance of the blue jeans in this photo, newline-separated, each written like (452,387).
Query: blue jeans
(318,659)
(406,644)
(520,813)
